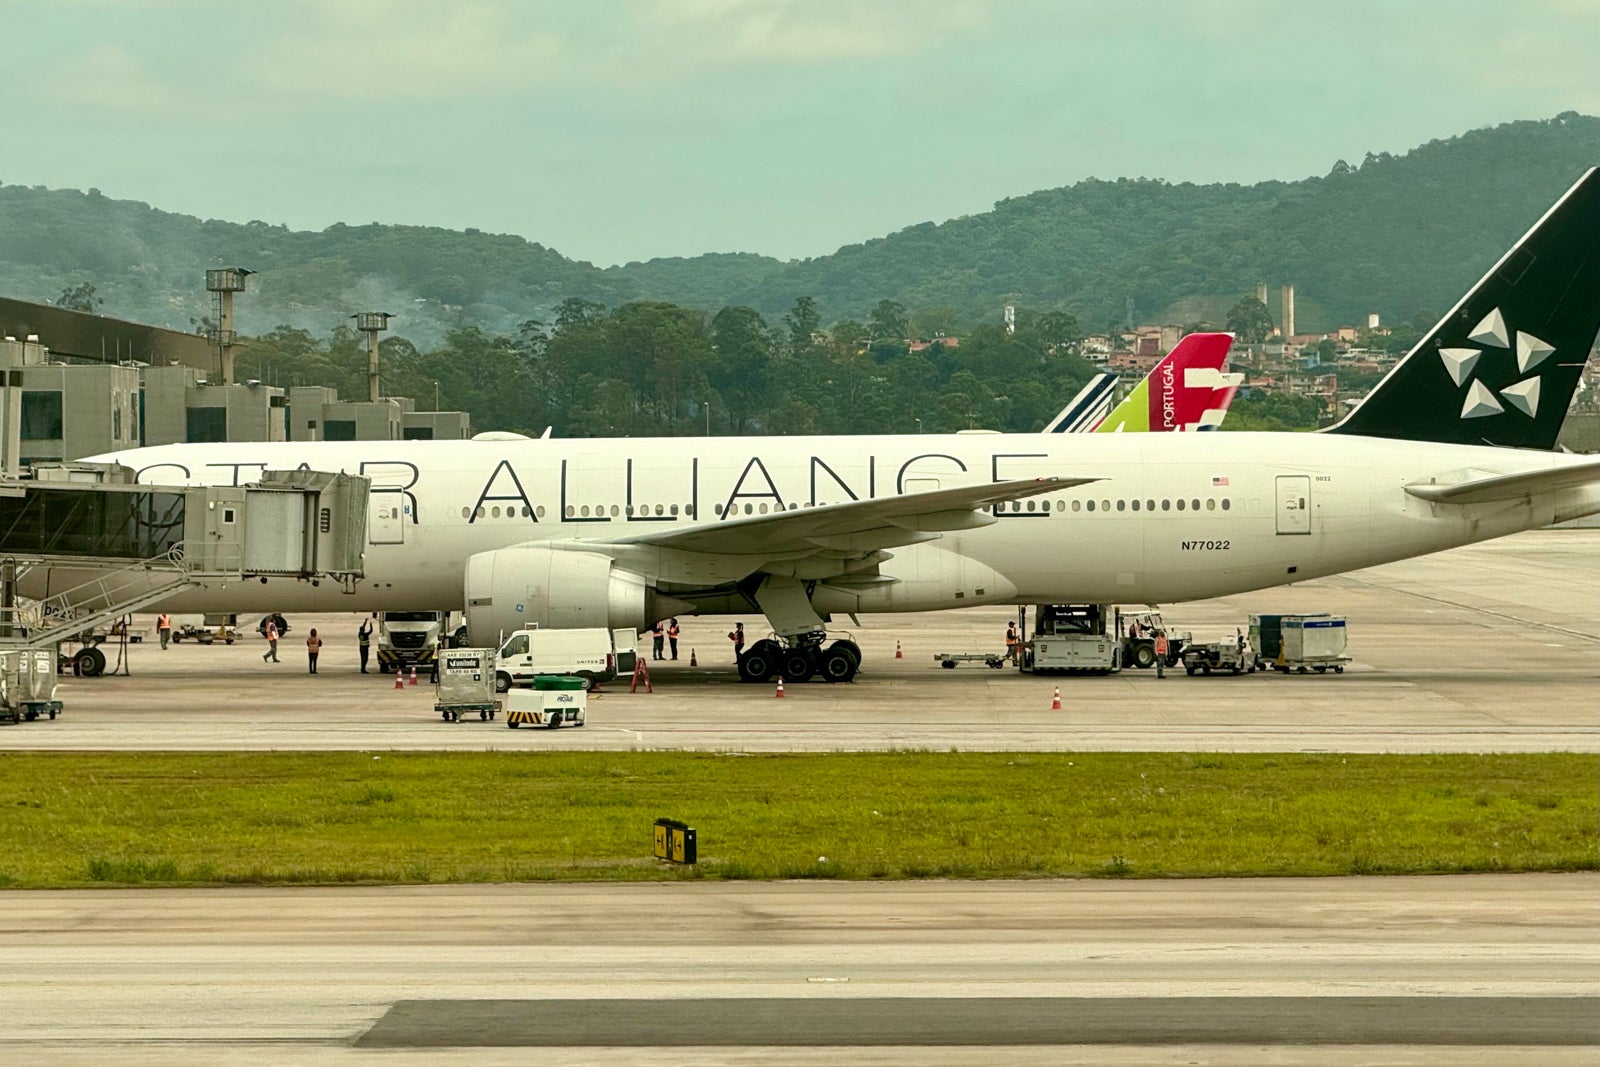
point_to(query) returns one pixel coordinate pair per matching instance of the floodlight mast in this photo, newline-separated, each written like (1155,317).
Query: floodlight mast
(223,283)
(372,323)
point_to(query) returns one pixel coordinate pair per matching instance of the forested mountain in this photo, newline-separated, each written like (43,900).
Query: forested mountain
(1393,234)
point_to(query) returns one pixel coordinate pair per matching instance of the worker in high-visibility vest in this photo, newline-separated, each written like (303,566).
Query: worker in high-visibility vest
(1161,654)
(164,628)
(658,639)
(672,636)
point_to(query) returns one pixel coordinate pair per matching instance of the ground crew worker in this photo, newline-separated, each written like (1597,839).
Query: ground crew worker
(736,635)
(672,636)
(658,638)
(164,628)
(272,643)
(1012,641)
(1161,654)
(313,646)
(364,640)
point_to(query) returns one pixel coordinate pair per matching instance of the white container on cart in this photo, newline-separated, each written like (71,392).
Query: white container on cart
(546,707)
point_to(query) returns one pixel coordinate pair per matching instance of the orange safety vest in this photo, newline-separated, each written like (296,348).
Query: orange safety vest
(313,644)
(672,632)
(1161,644)
(164,622)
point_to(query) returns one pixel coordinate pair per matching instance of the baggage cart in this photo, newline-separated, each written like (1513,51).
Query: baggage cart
(1299,643)
(464,684)
(948,660)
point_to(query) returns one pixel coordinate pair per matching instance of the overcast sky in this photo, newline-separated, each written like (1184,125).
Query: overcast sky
(614,130)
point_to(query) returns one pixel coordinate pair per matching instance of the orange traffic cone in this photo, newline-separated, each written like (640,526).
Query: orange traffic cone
(692,661)
(1055,701)
(399,682)
(779,693)
(897,653)
(413,674)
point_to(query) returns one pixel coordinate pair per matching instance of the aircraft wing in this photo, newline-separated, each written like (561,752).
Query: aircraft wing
(1495,487)
(857,526)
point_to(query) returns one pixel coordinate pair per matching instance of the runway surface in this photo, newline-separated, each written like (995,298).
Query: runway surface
(1466,969)
(1495,647)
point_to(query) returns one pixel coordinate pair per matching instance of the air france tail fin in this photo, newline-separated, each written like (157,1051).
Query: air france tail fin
(1501,367)
(1088,409)
(1180,391)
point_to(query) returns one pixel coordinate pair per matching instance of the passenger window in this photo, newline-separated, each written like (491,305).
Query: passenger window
(1211,505)
(584,511)
(1061,505)
(1180,503)
(1166,505)
(674,509)
(1122,505)
(1195,504)
(1076,504)
(1105,505)
(1149,505)
(494,512)
(1225,504)
(540,511)
(466,513)
(717,508)
(1135,505)
(1091,505)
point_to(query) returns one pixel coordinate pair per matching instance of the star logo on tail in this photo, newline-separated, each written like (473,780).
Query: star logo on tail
(1481,401)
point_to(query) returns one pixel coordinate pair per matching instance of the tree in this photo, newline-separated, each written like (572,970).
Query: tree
(80,297)
(802,322)
(1058,330)
(888,321)
(1249,321)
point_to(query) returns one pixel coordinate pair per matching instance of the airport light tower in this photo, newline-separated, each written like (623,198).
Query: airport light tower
(372,323)
(223,283)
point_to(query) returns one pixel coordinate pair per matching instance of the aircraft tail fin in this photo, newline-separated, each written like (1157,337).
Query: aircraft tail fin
(1180,391)
(1088,409)
(1502,366)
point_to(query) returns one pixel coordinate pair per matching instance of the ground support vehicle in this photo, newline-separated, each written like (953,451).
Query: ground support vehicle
(1070,637)
(203,629)
(1299,643)
(28,685)
(465,684)
(410,638)
(552,702)
(1139,640)
(1232,657)
(585,653)
(948,660)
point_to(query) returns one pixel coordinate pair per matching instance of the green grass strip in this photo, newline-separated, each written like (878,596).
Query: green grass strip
(69,819)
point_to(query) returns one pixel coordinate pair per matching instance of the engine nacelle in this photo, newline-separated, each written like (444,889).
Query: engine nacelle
(524,586)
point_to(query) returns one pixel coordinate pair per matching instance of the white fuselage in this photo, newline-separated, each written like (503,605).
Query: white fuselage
(1174,516)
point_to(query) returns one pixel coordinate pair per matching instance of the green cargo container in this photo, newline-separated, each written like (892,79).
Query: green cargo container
(552,682)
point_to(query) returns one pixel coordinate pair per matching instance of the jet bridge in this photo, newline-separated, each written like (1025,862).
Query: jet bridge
(91,545)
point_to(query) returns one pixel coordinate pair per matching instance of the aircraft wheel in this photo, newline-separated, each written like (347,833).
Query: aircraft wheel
(838,664)
(89,662)
(759,663)
(798,666)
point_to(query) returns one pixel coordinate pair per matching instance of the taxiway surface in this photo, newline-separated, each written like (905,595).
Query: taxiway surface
(1493,647)
(1463,969)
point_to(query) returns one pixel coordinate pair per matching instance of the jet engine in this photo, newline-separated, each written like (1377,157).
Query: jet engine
(524,586)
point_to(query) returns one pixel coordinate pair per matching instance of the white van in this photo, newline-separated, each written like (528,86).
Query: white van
(586,653)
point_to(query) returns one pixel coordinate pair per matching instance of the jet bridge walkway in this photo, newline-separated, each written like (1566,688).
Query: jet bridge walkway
(91,546)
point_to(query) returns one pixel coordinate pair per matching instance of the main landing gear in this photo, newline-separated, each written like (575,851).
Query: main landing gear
(801,658)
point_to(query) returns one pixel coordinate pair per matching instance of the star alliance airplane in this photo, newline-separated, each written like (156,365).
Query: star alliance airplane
(1452,447)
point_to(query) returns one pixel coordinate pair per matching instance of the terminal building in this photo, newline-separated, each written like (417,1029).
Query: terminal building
(85,384)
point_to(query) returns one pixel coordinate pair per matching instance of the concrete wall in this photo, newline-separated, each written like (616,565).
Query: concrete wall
(435,426)
(99,410)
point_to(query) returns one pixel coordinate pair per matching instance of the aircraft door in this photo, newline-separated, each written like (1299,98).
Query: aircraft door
(386,514)
(1294,503)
